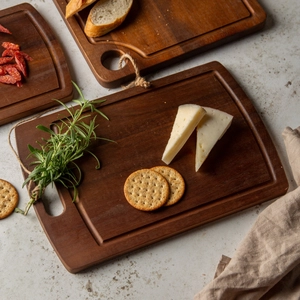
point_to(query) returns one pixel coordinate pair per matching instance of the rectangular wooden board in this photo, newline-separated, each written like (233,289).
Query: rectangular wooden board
(242,170)
(48,77)
(158,33)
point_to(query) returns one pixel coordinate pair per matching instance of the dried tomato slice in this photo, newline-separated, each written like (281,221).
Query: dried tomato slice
(4,29)
(26,56)
(11,73)
(11,46)
(2,70)
(8,52)
(14,72)
(21,63)
(5,60)
(8,79)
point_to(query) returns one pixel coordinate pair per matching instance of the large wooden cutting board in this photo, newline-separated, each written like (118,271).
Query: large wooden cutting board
(242,170)
(158,33)
(48,76)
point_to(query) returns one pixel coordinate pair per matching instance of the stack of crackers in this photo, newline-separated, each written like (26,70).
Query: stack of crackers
(151,189)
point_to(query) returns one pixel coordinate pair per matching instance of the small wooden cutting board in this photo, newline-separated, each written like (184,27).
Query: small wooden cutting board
(242,170)
(48,77)
(159,33)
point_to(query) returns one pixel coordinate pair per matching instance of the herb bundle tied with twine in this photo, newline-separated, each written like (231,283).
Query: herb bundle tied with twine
(55,159)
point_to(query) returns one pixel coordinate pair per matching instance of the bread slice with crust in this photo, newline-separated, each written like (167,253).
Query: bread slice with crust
(74,6)
(105,16)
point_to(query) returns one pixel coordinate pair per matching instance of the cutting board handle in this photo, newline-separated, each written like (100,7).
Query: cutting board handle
(113,74)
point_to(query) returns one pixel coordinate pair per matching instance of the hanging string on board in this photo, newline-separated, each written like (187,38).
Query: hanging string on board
(139,80)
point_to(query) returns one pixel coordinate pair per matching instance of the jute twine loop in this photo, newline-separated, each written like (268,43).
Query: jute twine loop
(11,146)
(139,81)
(34,193)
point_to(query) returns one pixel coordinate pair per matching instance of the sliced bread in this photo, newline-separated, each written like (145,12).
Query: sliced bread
(105,16)
(74,6)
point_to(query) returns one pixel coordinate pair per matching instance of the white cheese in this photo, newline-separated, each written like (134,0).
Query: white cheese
(209,130)
(187,118)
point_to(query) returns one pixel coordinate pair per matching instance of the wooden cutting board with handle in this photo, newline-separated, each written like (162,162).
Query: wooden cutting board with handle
(243,169)
(48,72)
(159,33)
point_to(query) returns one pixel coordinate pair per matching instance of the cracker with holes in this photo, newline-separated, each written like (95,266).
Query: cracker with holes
(9,198)
(146,190)
(176,183)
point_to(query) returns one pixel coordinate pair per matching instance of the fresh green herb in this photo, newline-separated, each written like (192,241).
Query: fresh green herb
(55,158)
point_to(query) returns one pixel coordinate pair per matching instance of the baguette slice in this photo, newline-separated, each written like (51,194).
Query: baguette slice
(105,16)
(74,6)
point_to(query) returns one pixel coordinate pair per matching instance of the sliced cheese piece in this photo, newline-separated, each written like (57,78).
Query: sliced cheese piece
(187,118)
(209,130)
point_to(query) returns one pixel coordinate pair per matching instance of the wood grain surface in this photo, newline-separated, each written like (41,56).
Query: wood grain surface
(243,169)
(158,33)
(48,77)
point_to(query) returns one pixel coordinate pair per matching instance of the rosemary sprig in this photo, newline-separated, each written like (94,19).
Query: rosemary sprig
(55,159)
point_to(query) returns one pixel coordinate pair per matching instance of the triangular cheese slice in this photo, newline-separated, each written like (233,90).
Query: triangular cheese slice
(210,129)
(187,118)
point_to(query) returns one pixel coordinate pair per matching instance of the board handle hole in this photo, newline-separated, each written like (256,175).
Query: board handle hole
(52,202)
(110,60)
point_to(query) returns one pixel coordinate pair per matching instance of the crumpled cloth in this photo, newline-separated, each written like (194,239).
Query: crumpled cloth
(266,265)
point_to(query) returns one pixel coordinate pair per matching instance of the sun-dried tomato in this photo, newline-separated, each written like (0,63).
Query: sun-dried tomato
(4,29)
(13,63)
(8,79)
(26,56)
(5,60)
(14,72)
(8,52)
(2,70)
(11,46)
(21,63)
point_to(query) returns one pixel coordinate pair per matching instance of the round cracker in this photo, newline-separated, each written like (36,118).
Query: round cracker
(146,190)
(176,183)
(9,198)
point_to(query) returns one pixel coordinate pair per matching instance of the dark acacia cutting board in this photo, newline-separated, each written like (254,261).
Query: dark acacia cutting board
(242,170)
(48,77)
(157,33)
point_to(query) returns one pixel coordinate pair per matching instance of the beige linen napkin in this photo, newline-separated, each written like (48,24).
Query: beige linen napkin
(266,265)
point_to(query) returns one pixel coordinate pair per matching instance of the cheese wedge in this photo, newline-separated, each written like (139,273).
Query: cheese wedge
(209,130)
(187,118)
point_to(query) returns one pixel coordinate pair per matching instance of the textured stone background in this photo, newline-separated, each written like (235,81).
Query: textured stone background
(267,67)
